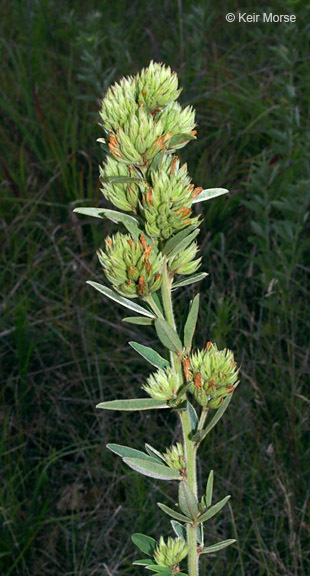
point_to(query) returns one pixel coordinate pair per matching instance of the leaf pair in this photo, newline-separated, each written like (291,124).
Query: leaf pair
(146,464)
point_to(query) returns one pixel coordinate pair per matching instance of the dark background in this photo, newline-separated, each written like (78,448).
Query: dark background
(68,506)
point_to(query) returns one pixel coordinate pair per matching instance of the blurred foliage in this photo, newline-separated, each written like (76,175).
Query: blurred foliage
(66,503)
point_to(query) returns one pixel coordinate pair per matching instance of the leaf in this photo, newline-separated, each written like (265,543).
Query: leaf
(127,452)
(143,562)
(183,244)
(193,417)
(174,514)
(190,280)
(152,452)
(168,336)
(113,215)
(152,469)
(131,405)
(200,534)
(120,299)
(163,570)
(179,139)
(120,179)
(187,501)
(209,193)
(209,489)
(190,325)
(150,355)
(137,320)
(213,510)
(179,530)
(174,241)
(218,415)
(145,543)
(217,547)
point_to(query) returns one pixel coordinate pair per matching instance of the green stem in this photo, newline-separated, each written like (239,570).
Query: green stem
(150,300)
(189,447)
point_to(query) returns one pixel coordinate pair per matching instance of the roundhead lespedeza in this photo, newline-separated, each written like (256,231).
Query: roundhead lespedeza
(154,254)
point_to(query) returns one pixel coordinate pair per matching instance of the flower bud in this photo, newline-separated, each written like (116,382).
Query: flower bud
(184,263)
(119,104)
(167,206)
(171,553)
(177,120)
(122,195)
(157,86)
(213,374)
(131,265)
(174,457)
(163,384)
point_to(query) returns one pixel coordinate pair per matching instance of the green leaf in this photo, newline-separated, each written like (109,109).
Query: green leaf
(187,501)
(163,570)
(209,193)
(179,530)
(131,405)
(193,417)
(168,336)
(113,215)
(120,179)
(190,280)
(183,244)
(144,562)
(174,241)
(150,355)
(213,510)
(127,452)
(138,320)
(145,543)
(190,325)
(200,534)
(218,415)
(152,469)
(209,489)
(152,452)
(179,139)
(217,547)
(174,514)
(120,299)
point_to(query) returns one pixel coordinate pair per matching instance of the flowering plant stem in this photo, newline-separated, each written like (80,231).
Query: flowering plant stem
(190,448)
(145,127)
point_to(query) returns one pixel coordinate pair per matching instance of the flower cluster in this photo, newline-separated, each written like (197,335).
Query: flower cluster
(131,265)
(174,457)
(163,384)
(213,375)
(171,553)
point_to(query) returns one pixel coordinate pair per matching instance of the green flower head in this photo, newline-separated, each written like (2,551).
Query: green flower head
(123,195)
(119,104)
(131,265)
(157,86)
(163,384)
(174,457)
(213,374)
(171,553)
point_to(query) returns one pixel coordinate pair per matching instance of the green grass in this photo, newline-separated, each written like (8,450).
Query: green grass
(67,504)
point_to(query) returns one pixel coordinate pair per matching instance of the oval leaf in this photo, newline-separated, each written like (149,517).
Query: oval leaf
(174,241)
(150,355)
(193,417)
(190,280)
(174,513)
(187,501)
(217,547)
(145,543)
(168,336)
(179,530)
(183,244)
(131,405)
(209,193)
(137,320)
(127,452)
(190,325)
(152,469)
(213,510)
(120,299)
(209,489)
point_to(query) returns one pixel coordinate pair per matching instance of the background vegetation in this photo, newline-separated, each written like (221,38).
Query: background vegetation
(66,504)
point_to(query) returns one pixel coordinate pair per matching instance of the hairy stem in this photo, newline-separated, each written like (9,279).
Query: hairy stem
(189,447)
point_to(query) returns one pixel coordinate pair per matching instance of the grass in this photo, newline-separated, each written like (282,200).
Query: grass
(66,504)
